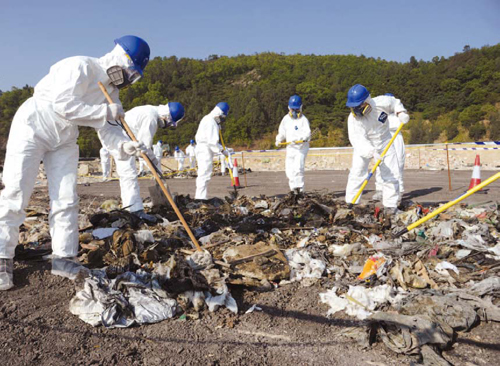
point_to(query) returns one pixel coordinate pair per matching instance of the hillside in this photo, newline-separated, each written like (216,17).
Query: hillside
(448,98)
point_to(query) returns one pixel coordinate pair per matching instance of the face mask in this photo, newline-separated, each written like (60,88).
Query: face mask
(295,113)
(121,78)
(220,119)
(362,110)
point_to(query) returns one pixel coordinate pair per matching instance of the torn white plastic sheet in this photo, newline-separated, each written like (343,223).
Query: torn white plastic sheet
(200,259)
(341,250)
(104,232)
(253,308)
(359,301)
(223,298)
(442,268)
(129,298)
(303,266)
(144,236)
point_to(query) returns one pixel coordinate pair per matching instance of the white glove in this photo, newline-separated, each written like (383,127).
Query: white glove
(115,111)
(134,148)
(403,117)
(224,152)
(376,156)
(277,143)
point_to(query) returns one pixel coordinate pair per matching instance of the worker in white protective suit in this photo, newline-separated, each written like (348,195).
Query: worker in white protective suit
(105,163)
(45,128)
(158,151)
(294,129)
(191,154)
(144,122)
(179,156)
(368,128)
(207,145)
(399,146)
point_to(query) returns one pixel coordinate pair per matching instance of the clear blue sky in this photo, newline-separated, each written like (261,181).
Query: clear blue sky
(36,34)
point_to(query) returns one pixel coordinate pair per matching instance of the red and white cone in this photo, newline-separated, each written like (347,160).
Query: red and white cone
(235,174)
(476,173)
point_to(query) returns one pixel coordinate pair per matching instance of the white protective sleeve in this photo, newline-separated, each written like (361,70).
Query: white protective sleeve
(208,133)
(70,85)
(358,138)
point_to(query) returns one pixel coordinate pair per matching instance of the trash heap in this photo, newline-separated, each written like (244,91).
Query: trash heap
(413,294)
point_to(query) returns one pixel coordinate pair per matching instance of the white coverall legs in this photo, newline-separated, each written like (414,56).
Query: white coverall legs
(25,150)
(192,161)
(223,165)
(106,168)
(295,163)
(389,171)
(158,157)
(399,146)
(129,185)
(204,156)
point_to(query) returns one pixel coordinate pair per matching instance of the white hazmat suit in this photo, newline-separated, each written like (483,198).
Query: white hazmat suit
(290,130)
(207,145)
(143,121)
(369,135)
(45,128)
(105,163)
(399,147)
(191,154)
(179,156)
(158,151)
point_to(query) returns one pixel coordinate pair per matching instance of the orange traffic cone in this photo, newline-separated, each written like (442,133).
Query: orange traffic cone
(235,174)
(476,173)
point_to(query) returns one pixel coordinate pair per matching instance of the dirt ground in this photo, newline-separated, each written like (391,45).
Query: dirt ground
(292,328)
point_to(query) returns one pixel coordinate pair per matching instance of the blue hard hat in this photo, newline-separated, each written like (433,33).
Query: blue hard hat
(191,142)
(176,111)
(295,102)
(357,95)
(177,148)
(224,107)
(160,141)
(389,94)
(137,49)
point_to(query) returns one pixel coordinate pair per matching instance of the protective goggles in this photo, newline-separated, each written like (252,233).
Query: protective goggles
(361,110)
(295,113)
(221,118)
(123,77)
(169,122)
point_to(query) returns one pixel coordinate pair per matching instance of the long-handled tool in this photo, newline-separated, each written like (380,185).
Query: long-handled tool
(314,134)
(448,205)
(229,164)
(377,164)
(155,173)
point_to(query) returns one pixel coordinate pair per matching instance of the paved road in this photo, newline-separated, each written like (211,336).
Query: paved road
(420,185)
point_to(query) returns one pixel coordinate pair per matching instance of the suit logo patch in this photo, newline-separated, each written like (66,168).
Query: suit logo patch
(296,128)
(383,117)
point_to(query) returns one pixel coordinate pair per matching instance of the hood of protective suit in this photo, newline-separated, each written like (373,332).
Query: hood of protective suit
(216,112)
(117,57)
(163,111)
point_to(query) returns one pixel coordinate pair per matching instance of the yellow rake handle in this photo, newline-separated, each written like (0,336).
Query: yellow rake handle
(377,164)
(448,205)
(156,175)
(229,165)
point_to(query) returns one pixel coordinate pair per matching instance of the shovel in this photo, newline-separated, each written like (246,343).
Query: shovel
(155,173)
(377,164)
(314,134)
(448,205)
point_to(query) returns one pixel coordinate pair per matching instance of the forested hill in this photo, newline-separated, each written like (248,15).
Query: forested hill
(452,98)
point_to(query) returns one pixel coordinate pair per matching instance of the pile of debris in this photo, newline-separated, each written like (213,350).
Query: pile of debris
(413,293)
